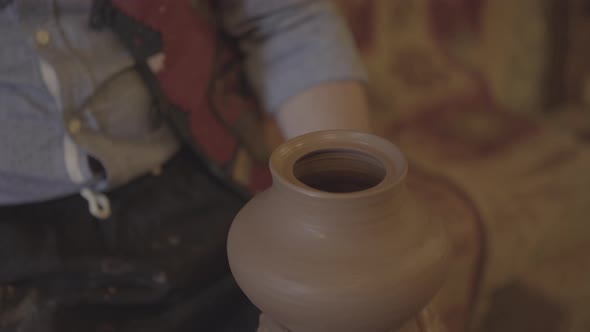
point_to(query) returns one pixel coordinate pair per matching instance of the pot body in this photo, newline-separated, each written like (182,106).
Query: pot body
(337,243)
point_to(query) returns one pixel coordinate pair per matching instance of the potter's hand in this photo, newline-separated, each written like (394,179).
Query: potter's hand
(334,105)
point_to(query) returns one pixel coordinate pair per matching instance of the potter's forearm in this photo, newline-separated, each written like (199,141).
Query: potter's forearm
(335,105)
(293,48)
(302,62)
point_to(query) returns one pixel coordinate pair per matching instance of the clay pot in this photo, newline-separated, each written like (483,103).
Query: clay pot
(337,243)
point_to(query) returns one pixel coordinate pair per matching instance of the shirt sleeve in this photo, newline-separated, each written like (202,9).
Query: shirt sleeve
(292,45)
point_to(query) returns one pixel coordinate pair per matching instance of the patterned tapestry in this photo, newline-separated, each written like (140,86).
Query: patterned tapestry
(486,99)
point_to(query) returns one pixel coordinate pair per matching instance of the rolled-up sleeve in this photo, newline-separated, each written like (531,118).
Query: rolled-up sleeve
(292,45)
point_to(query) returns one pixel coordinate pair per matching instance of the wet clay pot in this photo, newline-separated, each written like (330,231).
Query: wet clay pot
(337,243)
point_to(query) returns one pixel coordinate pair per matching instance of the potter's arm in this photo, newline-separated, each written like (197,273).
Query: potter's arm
(302,62)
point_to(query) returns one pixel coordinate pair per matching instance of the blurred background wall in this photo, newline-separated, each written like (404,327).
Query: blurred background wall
(528,56)
(490,102)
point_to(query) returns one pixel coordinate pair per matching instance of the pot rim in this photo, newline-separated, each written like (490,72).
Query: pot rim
(284,158)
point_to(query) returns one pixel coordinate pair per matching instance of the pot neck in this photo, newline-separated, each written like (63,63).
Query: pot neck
(339,201)
(339,169)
